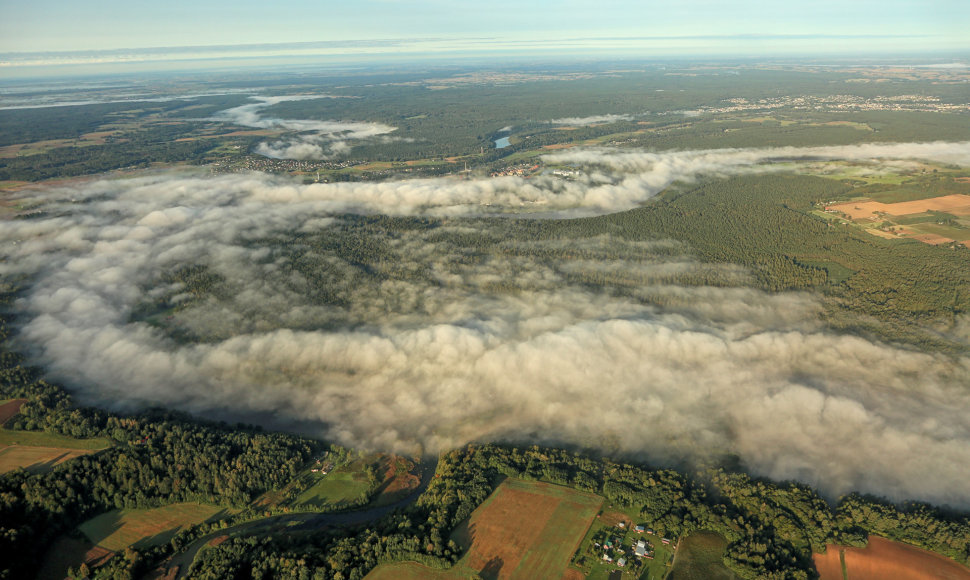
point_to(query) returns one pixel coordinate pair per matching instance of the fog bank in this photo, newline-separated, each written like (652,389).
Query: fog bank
(442,346)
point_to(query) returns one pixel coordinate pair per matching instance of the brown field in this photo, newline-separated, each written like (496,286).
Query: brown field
(932,239)
(883,558)
(956,204)
(882,234)
(9,409)
(527,530)
(36,459)
(69,552)
(829,564)
(523,530)
(118,529)
(573,574)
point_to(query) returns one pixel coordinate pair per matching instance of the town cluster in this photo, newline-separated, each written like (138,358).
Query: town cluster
(837,103)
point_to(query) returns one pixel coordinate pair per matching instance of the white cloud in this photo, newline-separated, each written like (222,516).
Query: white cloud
(307,139)
(591,120)
(434,358)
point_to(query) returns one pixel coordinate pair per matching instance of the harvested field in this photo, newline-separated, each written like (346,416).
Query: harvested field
(523,530)
(10,408)
(527,530)
(118,529)
(35,459)
(883,558)
(829,564)
(957,204)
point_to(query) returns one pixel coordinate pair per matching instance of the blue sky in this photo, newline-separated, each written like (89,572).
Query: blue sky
(716,25)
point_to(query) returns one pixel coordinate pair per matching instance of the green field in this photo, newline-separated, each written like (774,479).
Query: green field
(342,487)
(45,439)
(118,529)
(952,232)
(699,558)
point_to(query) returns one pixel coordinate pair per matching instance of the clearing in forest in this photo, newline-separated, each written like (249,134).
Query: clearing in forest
(118,529)
(527,529)
(884,558)
(346,486)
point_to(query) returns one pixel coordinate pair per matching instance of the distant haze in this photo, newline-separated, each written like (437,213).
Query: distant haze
(437,359)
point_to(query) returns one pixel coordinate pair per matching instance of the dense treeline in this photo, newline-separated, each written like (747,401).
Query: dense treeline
(71,121)
(74,161)
(772,528)
(158,457)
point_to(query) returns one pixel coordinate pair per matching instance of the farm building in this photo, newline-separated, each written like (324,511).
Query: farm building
(639,529)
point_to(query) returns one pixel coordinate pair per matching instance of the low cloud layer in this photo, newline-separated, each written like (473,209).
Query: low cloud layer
(592,120)
(305,139)
(431,347)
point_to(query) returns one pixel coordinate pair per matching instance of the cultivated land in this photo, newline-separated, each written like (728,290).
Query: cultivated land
(525,529)
(118,529)
(36,459)
(930,204)
(9,408)
(883,559)
(38,451)
(699,558)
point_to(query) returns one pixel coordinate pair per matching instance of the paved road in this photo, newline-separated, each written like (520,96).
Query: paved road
(304,521)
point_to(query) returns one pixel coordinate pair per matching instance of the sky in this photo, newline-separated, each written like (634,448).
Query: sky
(638,27)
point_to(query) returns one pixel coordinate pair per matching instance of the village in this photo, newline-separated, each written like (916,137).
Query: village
(621,549)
